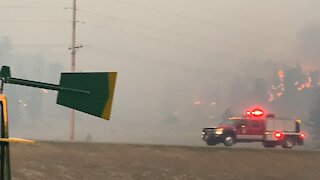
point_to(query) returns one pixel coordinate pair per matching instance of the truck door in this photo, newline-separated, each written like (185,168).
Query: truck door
(249,130)
(242,128)
(256,129)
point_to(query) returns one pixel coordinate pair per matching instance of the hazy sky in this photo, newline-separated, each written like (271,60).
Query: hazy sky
(166,30)
(157,44)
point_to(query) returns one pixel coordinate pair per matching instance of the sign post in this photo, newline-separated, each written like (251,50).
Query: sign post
(91,93)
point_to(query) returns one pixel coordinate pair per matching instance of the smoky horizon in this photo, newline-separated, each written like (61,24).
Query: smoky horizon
(182,65)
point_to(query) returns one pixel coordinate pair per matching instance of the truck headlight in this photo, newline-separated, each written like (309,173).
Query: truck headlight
(219,131)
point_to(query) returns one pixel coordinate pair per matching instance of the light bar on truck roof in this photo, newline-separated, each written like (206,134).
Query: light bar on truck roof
(257,112)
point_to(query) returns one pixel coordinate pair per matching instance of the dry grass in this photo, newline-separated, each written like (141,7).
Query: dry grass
(94,161)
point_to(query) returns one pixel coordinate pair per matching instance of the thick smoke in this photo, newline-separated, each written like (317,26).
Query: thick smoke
(28,106)
(309,41)
(182,65)
(309,45)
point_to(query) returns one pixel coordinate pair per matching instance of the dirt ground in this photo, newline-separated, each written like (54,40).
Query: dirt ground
(99,161)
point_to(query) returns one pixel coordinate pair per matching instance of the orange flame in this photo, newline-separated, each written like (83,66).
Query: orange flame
(281,75)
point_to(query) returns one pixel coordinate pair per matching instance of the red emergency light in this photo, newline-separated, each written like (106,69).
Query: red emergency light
(255,113)
(302,135)
(278,134)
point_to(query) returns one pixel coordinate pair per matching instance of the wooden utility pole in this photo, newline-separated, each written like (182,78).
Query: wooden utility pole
(73,61)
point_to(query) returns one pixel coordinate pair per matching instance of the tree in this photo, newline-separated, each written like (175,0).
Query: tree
(227,114)
(314,120)
(309,41)
(260,90)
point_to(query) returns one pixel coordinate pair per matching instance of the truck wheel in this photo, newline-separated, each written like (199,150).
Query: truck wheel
(228,140)
(288,142)
(269,144)
(210,141)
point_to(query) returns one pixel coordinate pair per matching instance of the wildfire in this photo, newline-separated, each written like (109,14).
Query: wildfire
(281,75)
(308,83)
(277,90)
(271,98)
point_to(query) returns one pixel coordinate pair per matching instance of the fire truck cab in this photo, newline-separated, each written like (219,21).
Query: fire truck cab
(255,126)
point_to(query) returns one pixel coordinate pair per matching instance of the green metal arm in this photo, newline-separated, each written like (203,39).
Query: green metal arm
(41,85)
(5,76)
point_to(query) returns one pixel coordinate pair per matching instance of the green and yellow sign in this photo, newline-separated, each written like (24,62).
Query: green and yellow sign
(97,96)
(91,93)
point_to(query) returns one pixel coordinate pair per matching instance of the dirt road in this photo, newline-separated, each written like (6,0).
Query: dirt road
(94,161)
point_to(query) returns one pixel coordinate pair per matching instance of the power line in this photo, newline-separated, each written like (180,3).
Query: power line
(169,42)
(159,28)
(184,34)
(159,62)
(32,20)
(31,7)
(233,13)
(210,51)
(151,26)
(45,45)
(224,26)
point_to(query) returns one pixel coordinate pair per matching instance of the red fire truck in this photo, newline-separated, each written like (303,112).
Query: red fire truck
(256,126)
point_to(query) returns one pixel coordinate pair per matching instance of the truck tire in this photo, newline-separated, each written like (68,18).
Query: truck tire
(288,142)
(228,140)
(210,141)
(269,144)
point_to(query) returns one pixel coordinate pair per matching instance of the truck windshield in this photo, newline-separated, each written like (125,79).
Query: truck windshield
(227,122)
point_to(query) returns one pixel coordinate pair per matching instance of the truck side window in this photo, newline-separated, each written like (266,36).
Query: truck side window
(297,127)
(242,123)
(255,124)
